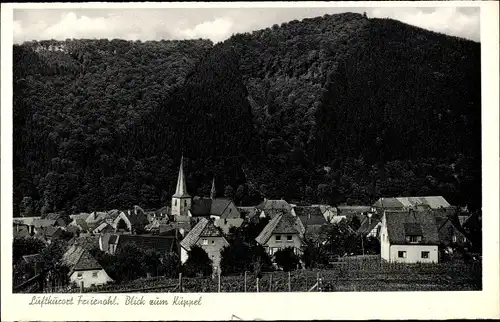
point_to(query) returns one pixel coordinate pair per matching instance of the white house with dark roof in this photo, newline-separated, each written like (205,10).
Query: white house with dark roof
(83,268)
(281,232)
(409,237)
(209,237)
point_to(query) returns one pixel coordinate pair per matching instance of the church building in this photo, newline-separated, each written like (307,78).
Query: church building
(184,207)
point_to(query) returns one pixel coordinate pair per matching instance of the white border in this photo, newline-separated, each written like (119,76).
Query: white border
(282,306)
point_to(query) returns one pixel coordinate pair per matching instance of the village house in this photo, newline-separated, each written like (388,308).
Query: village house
(84,269)
(436,204)
(311,217)
(370,225)
(450,233)
(132,221)
(282,231)
(273,208)
(409,237)
(207,236)
(112,243)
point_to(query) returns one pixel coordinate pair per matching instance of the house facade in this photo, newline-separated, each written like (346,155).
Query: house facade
(207,236)
(281,232)
(84,269)
(409,237)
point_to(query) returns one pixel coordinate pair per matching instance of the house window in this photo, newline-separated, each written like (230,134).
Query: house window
(401,254)
(79,274)
(424,255)
(94,274)
(289,238)
(278,238)
(185,203)
(413,239)
(464,239)
(175,202)
(204,242)
(454,239)
(213,242)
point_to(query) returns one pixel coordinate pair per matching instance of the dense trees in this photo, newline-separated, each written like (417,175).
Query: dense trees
(198,263)
(337,109)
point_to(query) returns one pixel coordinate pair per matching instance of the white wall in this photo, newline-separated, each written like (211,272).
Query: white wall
(413,253)
(88,278)
(184,255)
(384,241)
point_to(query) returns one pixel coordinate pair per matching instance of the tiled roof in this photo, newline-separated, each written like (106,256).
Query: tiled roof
(25,220)
(273,213)
(282,224)
(404,223)
(87,242)
(368,224)
(31,259)
(203,227)
(78,258)
(43,223)
(434,202)
(21,231)
(210,230)
(274,204)
(344,210)
(310,216)
(224,208)
(248,212)
(163,244)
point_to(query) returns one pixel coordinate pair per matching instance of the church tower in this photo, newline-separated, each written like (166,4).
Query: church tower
(213,192)
(181,200)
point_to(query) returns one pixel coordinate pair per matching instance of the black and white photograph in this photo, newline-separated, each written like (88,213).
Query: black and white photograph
(246,150)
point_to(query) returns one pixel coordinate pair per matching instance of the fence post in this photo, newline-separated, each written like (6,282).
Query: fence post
(307,287)
(180,282)
(271,282)
(218,288)
(318,281)
(81,287)
(245,281)
(289,283)
(257,284)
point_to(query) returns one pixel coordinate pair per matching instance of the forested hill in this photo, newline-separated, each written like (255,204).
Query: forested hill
(338,109)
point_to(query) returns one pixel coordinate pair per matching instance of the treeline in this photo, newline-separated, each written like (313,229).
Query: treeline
(339,109)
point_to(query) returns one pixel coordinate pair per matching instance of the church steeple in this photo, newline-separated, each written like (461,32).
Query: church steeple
(181,200)
(213,192)
(181,190)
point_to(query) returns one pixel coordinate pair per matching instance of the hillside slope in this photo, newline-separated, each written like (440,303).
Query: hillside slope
(333,109)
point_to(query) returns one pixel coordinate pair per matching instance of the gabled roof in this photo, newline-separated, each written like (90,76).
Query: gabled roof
(401,224)
(21,231)
(44,223)
(275,212)
(344,210)
(310,216)
(282,224)
(162,244)
(224,208)
(33,258)
(433,202)
(274,204)
(87,242)
(368,224)
(79,259)
(248,212)
(204,228)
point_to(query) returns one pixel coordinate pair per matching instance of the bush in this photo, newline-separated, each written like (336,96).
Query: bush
(236,258)
(286,259)
(198,263)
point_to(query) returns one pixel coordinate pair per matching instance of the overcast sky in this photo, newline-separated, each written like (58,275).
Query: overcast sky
(216,24)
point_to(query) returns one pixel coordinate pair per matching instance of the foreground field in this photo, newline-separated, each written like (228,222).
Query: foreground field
(345,277)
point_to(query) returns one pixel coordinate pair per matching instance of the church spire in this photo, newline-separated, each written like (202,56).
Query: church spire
(212,192)
(181,190)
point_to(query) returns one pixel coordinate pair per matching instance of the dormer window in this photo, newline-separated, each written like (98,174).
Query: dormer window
(414,239)
(278,238)
(413,233)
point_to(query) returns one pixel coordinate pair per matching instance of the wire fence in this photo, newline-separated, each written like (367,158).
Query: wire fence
(343,277)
